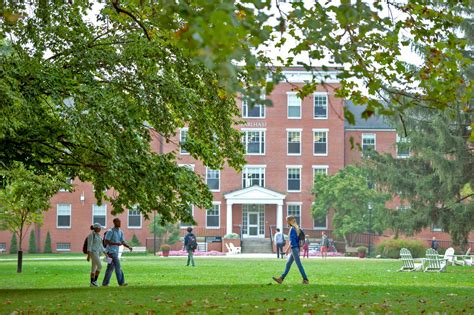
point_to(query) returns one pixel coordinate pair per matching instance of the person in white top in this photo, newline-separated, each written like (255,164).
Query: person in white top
(94,249)
(279,240)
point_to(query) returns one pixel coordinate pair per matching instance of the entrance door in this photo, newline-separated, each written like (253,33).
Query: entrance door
(253,218)
(253,226)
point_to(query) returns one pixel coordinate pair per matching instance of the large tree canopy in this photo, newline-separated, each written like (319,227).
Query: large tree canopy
(86,86)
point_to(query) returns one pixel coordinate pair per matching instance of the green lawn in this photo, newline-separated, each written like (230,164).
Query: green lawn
(219,285)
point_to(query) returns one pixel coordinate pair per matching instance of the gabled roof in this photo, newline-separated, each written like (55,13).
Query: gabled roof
(374,122)
(256,195)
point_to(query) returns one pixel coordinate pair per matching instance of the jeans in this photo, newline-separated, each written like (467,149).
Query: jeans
(115,264)
(295,256)
(280,250)
(190,257)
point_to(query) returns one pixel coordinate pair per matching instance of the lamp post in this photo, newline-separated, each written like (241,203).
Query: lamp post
(154,233)
(370,227)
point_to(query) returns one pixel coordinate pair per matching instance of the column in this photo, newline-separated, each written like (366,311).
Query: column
(279,222)
(229,218)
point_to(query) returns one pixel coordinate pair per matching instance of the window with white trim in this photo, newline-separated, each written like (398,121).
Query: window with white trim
(320,222)
(319,169)
(253,176)
(294,106)
(320,106)
(63,247)
(213,216)
(368,142)
(254,141)
(320,142)
(295,210)
(258,111)
(183,136)
(134,219)
(3,246)
(294,142)
(63,219)
(403,147)
(294,178)
(213,179)
(99,214)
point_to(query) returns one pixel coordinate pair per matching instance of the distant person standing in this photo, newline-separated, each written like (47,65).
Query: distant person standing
(190,244)
(94,249)
(434,244)
(114,239)
(324,245)
(294,246)
(279,240)
(306,247)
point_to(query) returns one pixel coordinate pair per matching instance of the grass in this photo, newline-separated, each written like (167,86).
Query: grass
(219,285)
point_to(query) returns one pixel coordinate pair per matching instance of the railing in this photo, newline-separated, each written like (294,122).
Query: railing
(271,236)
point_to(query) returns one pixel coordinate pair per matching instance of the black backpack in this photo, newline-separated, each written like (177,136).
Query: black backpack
(192,243)
(301,238)
(84,246)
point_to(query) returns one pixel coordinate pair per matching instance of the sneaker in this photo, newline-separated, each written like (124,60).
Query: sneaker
(105,285)
(123,284)
(279,280)
(305,281)
(94,284)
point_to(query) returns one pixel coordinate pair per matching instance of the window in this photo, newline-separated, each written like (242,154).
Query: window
(254,141)
(320,106)
(213,216)
(134,218)
(295,210)
(368,142)
(213,179)
(63,247)
(294,106)
(294,178)
(436,227)
(188,166)
(319,169)
(69,182)
(294,142)
(320,223)
(3,247)
(253,176)
(99,214)
(185,225)
(258,111)
(63,215)
(320,142)
(403,147)
(183,136)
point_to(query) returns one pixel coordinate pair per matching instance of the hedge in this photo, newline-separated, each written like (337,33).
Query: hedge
(391,248)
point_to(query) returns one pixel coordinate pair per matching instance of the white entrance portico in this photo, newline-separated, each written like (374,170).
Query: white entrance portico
(258,196)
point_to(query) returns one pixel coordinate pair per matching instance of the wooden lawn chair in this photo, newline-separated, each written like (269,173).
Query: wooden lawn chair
(434,262)
(464,260)
(236,249)
(448,256)
(409,263)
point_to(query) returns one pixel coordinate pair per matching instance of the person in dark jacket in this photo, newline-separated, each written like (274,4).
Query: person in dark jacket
(189,243)
(434,244)
(295,251)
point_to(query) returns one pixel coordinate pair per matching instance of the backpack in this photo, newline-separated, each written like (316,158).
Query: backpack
(326,242)
(192,244)
(103,240)
(301,238)
(84,246)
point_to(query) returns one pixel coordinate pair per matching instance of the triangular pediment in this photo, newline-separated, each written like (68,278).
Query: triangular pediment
(254,193)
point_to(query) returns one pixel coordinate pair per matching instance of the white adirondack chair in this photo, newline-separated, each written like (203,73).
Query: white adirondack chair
(448,256)
(434,262)
(235,249)
(232,250)
(464,260)
(409,263)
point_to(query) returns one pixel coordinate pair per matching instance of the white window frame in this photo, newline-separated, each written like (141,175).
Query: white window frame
(128,219)
(69,181)
(369,136)
(219,179)
(319,167)
(318,227)
(245,112)
(288,167)
(215,203)
(180,136)
(327,105)
(295,203)
(288,130)
(188,166)
(402,140)
(103,205)
(63,250)
(244,172)
(57,216)
(288,94)
(262,135)
(326,130)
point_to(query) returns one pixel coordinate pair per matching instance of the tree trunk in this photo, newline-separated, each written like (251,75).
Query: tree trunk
(19,266)
(346,241)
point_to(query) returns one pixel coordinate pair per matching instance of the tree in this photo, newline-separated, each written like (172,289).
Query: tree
(23,199)
(32,243)
(94,99)
(167,233)
(350,197)
(13,244)
(47,244)
(134,241)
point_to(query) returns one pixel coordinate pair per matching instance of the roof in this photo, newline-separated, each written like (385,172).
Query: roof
(374,122)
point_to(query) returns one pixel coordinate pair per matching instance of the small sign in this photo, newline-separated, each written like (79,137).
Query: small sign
(213,239)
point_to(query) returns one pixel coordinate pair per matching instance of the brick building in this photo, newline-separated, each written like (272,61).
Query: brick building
(286,145)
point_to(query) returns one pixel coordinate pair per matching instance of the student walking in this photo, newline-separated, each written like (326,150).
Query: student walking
(294,247)
(94,249)
(279,240)
(190,244)
(324,246)
(306,247)
(114,239)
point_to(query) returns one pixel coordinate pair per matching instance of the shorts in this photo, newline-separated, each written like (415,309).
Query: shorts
(324,248)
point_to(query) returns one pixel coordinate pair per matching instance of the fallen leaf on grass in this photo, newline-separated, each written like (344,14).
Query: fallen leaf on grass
(422,301)
(7,302)
(280,299)
(451,294)
(188,303)
(274,310)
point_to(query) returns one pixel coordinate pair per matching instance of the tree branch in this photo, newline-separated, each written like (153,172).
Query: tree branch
(119,10)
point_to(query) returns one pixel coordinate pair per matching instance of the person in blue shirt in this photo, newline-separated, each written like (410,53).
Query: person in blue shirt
(114,239)
(294,246)
(189,242)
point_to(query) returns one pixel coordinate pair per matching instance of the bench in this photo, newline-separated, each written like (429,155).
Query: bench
(138,249)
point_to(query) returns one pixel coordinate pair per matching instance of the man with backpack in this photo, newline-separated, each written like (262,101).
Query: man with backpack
(279,240)
(113,239)
(190,244)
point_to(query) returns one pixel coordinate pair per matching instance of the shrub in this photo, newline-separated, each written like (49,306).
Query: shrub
(231,235)
(165,248)
(134,241)
(47,244)
(391,248)
(32,243)
(13,244)
(362,249)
